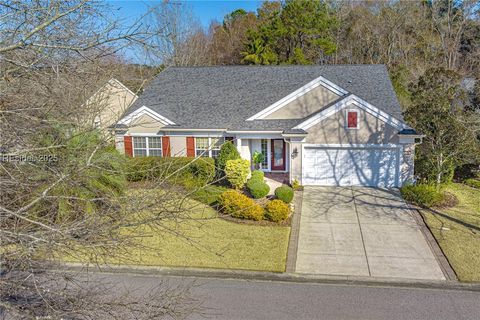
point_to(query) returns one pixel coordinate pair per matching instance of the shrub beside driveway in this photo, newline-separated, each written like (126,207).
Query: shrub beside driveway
(457,230)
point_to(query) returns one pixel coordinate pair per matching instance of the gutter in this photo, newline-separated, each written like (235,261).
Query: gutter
(254,131)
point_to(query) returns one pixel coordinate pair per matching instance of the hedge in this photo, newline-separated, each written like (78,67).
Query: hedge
(209,194)
(177,169)
(240,206)
(423,195)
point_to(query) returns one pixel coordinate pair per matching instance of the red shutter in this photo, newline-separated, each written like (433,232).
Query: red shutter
(190,147)
(127,142)
(166,146)
(352,119)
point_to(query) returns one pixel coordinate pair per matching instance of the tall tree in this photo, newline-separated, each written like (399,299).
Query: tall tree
(300,32)
(228,39)
(438,111)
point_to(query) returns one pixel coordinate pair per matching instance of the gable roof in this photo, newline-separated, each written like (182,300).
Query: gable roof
(226,96)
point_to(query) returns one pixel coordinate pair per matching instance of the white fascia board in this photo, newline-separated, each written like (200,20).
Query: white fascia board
(144,135)
(254,131)
(258,136)
(362,104)
(353,145)
(145,111)
(183,129)
(298,93)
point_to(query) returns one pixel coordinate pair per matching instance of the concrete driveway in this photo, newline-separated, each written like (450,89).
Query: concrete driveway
(362,232)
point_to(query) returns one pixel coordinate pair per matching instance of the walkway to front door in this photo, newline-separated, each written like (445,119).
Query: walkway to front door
(362,231)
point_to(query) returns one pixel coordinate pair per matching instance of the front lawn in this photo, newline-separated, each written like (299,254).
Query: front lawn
(198,238)
(457,230)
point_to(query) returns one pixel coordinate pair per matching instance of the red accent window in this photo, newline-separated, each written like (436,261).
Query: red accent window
(352,119)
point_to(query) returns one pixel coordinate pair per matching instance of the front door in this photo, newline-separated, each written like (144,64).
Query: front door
(278,154)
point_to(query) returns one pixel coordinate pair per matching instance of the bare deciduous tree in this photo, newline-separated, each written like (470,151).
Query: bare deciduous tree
(61,182)
(180,39)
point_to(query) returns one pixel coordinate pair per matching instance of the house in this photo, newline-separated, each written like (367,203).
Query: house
(323,125)
(108,104)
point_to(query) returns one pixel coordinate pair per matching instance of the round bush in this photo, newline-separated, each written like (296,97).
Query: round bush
(284,193)
(257,188)
(258,175)
(277,210)
(240,206)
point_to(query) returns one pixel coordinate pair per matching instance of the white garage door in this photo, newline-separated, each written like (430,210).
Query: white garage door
(375,167)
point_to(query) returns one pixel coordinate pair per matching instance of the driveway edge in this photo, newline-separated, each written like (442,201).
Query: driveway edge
(294,233)
(440,256)
(272,276)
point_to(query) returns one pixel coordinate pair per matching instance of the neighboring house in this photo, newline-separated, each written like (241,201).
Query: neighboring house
(324,125)
(109,103)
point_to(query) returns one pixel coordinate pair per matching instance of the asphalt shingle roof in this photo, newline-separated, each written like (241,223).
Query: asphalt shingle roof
(225,96)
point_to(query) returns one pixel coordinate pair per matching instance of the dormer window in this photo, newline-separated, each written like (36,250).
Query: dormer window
(352,119)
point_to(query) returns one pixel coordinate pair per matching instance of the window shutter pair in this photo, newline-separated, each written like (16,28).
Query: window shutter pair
(127,142)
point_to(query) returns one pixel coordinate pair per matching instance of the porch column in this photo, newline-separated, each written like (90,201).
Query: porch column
(238,142)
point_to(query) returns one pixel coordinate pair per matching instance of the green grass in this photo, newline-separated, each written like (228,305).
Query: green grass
(458,232)
(198,238)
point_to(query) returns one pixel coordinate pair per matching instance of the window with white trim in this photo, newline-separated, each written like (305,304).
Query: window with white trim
(147,146)
(208,147)
(264,150)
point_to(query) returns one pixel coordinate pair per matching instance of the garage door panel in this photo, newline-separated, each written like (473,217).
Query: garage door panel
(350,166)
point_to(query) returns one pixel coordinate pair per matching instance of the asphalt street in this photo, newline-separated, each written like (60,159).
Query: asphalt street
(247,299)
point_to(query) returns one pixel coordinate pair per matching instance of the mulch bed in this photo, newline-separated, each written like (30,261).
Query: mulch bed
(449,201)
(265,223)
(262,202)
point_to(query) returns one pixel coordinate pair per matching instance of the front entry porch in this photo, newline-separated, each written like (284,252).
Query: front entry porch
(275,151)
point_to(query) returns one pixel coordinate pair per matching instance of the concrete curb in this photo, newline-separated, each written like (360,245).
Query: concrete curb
(272,276)
(294,234)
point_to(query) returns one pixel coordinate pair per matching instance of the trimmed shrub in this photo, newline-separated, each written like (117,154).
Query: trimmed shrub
(277,210)
(237,172)
(240,206)
(209,194)
(422,195)
(257,188)
(258,174)
(228,151)
(141,168)
(284,193)
(474,183)
(181,170)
